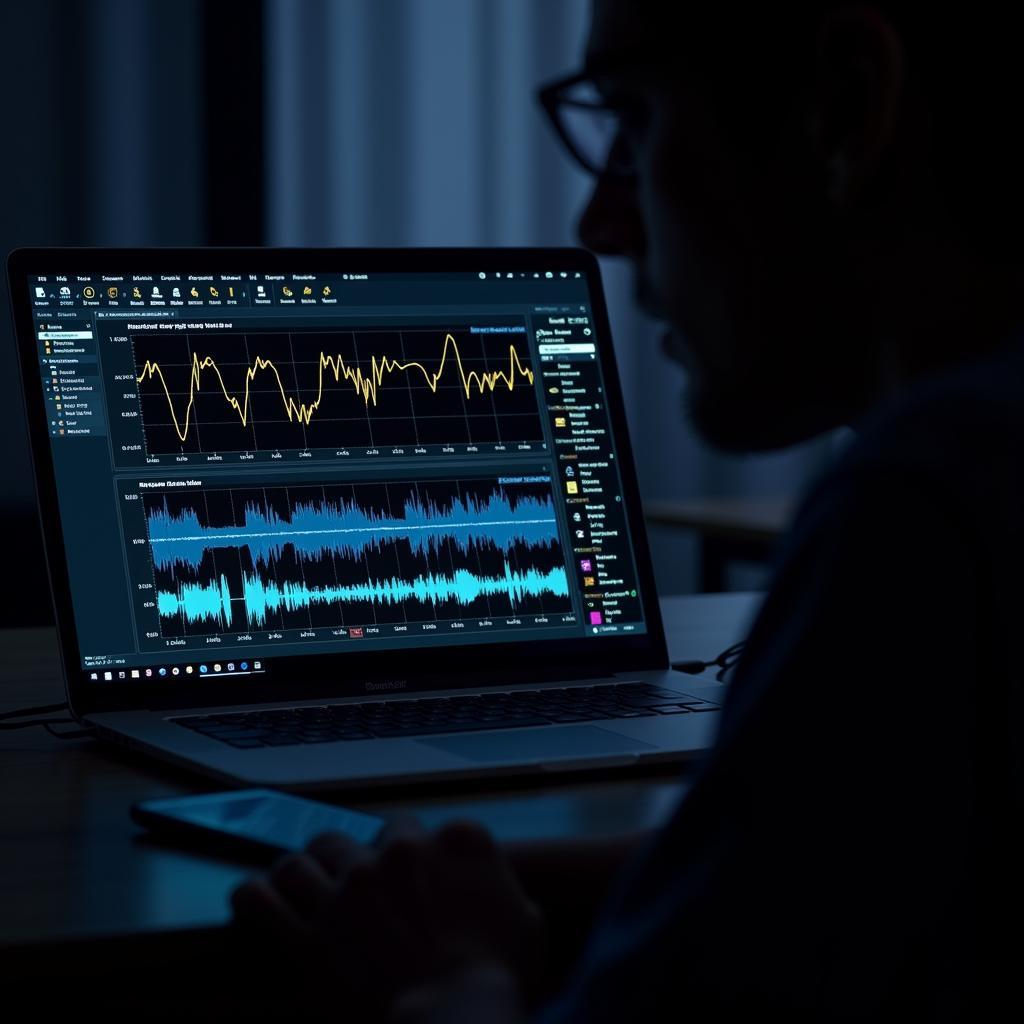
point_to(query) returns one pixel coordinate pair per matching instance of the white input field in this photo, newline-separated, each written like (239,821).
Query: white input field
(565,349)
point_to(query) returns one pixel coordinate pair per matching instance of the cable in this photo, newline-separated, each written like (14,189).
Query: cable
(46,723)
(39,709)
(725,661)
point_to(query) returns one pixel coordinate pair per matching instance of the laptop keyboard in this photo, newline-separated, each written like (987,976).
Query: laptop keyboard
(282,727)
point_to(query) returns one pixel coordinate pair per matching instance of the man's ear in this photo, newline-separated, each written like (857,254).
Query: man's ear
(857,98)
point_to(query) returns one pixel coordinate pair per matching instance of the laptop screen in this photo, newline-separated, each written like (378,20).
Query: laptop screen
(256,465)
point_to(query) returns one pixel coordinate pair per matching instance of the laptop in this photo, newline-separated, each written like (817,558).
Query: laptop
(341,518)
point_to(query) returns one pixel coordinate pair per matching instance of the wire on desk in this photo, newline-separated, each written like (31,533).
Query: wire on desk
(46,723)
(725,661)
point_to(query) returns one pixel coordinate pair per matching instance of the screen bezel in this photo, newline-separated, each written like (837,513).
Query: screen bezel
(315,676)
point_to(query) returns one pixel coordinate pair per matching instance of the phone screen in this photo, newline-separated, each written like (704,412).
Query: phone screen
(276,820)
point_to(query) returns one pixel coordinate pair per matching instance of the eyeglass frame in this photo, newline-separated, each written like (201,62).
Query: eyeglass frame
(550,99)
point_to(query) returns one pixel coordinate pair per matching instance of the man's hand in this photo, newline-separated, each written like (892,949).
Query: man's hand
(417,912)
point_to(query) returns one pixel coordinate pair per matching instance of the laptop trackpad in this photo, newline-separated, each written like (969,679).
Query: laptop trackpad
(538,744)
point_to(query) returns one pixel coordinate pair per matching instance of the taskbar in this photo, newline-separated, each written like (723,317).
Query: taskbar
(244,648)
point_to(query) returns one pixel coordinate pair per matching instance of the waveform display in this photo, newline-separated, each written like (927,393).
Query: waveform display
(229,559)
(205,603)
(317,527)
(271,391)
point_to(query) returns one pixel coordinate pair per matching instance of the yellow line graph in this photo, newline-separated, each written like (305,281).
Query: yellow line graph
(365,385)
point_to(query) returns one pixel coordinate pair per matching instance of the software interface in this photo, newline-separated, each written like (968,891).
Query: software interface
(250,466)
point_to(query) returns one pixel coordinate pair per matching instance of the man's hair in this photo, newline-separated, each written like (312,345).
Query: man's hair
(963,60)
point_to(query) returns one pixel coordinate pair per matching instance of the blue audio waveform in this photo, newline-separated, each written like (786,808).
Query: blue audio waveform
(316,530)
(197,602)
(212,601)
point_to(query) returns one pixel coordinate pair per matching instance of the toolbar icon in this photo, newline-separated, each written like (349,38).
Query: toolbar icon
(112,292)
(307,290)
(286,291)
(214,293)
(327,291)
(136,293)
(88,292)
(194,292)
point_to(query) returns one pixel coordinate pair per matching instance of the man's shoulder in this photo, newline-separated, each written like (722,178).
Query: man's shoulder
(951,415)
(956,440)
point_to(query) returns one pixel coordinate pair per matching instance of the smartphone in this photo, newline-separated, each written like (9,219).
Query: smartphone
(258,820)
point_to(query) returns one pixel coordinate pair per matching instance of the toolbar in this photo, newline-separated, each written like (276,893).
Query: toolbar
(127,291)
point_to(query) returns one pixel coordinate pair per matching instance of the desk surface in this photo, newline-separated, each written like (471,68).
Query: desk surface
(73,864)
(758,520)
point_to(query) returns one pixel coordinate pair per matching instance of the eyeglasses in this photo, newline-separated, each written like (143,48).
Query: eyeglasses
(590,127)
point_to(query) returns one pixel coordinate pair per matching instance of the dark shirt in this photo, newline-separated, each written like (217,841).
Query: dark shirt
(847,849)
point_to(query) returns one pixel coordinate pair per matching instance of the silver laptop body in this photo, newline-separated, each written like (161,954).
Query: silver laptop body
(343,518)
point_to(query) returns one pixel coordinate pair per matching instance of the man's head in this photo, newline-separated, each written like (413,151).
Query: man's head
(806,212)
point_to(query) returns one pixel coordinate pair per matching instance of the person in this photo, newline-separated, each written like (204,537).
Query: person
(822,203)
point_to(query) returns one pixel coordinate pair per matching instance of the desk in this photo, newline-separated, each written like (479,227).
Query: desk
(74,867)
